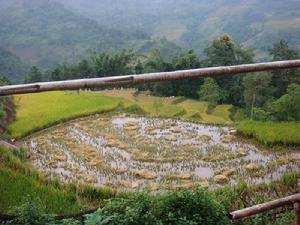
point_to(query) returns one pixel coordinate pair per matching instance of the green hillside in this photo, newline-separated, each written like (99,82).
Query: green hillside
(192,24)
(45,33)
(11,66)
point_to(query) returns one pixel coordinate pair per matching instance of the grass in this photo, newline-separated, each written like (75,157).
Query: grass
(186,109)
(197,110)
(271,133)
(18,182)
(37,111)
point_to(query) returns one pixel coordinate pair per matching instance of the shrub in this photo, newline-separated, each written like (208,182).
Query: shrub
(181,208)
(290,179)
(260,114)
(30,213)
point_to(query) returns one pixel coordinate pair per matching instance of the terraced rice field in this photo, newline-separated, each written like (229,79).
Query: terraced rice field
(139,153)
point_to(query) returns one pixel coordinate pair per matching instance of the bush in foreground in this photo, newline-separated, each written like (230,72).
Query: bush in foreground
(181,208)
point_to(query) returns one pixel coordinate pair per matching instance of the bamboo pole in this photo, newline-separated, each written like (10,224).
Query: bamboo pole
(290,200)
(144,78)
(297,212)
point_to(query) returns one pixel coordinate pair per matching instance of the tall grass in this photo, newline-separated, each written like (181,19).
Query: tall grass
(271,133)
(36,111)
(18,181)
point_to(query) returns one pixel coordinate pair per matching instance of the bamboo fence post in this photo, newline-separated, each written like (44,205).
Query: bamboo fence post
(253,210)
(145,78)
(297,213)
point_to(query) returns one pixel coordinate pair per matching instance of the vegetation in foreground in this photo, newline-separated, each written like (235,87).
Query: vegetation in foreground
(271,133)
(37,111)
(35,200)
(19,181)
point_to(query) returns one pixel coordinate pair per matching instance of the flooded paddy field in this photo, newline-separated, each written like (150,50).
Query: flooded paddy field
(152,154)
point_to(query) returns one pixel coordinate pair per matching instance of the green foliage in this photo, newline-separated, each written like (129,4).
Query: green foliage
(17,180)
(256,90)
(290,179)
(68,222)
(260,114)
(287,107)
(271,133)
(98,218)
(20,153)
(119,63)
(282,78)
(34,76)
(91,193)
(183,207)
(223,51)
(210,92)
(31,213)
(187,60)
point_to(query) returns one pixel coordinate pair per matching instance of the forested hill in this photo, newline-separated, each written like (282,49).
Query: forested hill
(12,67)
(44,32)
(194,23)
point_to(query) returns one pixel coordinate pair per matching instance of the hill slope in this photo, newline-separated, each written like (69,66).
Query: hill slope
(44,32)
(11,66)
(194,23)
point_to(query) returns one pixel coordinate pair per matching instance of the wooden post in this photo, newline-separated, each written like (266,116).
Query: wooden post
(145,78)
(290,200)
(297,213)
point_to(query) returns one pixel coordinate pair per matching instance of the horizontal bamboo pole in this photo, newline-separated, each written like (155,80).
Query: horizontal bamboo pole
(144,78)
(243,213)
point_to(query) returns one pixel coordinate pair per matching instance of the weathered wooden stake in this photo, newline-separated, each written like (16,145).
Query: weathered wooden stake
(145,78)
(297,213)
(290,200)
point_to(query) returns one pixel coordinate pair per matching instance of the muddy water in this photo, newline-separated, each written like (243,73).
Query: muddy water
(147,153)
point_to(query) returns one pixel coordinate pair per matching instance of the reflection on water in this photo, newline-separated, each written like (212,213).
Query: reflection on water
(149,153)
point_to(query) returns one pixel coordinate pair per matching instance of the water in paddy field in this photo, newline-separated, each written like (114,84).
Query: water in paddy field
(145,153)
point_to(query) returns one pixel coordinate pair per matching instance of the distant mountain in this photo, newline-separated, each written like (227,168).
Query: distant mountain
(47,32)
(44,32)
(194,23)
(12,67)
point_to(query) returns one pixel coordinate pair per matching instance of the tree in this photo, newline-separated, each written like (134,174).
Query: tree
(287,107)
(210,92)
(225,52)
(55,74)
(186,60)
(183,61)
(156,63)
(282,78)
(112,64)
(83,69)
(257,90)
(34,76)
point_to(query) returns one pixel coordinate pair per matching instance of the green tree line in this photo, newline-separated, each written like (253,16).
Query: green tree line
(271,95)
